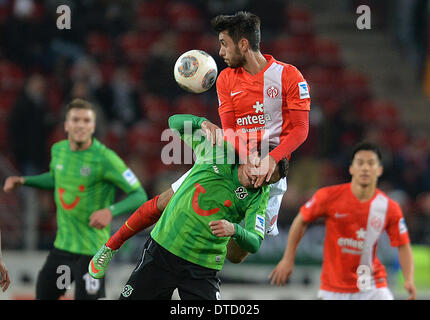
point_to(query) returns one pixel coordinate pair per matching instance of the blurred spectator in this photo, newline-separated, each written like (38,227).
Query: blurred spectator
(158,70)
(120,99)
(29,124)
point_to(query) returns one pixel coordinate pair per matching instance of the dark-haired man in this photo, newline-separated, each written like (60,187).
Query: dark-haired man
(260,100)
(84,174)
(356,214)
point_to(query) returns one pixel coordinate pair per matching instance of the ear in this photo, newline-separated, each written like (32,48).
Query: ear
(380,171)
(243,44)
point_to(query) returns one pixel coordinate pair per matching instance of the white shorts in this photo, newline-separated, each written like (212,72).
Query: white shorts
(276,194)
(372,294)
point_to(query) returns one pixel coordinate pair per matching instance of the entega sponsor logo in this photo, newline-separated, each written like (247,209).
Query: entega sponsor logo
(249,120)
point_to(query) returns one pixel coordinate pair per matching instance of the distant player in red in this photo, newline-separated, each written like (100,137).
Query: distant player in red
(356,214)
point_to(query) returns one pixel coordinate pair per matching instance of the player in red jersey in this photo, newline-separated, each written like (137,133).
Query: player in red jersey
(262,103)
(261,100)
(356,214)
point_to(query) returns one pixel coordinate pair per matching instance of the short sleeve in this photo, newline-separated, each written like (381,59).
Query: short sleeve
(315,207)
(297,89)
(396,226)
(119,174)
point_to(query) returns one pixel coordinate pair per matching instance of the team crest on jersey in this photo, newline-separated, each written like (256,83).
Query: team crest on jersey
(376,223)
(241,192)
(272,92)
(85,171)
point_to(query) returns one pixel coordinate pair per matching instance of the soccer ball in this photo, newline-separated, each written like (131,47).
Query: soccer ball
(195,71)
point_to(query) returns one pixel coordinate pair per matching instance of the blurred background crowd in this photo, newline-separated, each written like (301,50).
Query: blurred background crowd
(119,54)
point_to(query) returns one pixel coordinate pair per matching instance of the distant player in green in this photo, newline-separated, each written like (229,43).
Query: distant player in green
(188,245)
(84,175)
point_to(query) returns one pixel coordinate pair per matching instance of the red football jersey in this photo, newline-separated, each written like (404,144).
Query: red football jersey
(260,104)
(352,231)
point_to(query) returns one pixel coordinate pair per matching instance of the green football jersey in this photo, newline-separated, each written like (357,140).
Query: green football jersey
(210,192)
(85,182)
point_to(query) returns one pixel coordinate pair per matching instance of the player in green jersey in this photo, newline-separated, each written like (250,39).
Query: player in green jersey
(84,175)
(188,245)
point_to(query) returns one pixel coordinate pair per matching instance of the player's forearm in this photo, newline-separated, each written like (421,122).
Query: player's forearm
(177,121)
(406,261)
(297,230)
(295,138)
(247,240)
(129,204)
(43,181)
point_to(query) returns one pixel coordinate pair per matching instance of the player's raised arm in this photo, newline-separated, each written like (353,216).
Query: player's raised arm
(285,267)
(116,172)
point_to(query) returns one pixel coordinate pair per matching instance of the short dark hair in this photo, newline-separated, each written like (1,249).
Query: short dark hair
(240,25)
(80,104)
(367,146)
(283,166)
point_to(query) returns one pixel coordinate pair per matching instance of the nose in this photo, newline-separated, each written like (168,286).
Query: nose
(221,52)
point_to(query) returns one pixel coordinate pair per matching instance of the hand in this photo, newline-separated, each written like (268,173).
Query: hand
(267,167)
(222,228)
(100,218)
(281,273)
(5,280)
(410,287)
(13,183)
(250,168)
(213,133)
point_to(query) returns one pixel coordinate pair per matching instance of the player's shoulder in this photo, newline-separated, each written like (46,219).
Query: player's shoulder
(333,191)
(102,149)
(62,144)
(393,205)
(288,67)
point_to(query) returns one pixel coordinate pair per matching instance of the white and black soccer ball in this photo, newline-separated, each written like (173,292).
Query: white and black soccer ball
(195,71)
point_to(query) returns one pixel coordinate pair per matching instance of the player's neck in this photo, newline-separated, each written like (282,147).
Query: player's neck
(255,62)
(363,193)
(80,146)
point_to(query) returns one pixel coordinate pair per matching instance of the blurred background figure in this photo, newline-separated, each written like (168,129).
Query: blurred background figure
(30,121)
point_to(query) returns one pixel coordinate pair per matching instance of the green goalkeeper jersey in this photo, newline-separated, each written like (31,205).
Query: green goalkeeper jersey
(84,182)
(210,192)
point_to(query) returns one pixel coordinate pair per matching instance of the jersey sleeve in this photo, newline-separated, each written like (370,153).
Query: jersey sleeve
(116,172)
(396,226)
(225,104)
(315,207)
(255,213)
(296,89)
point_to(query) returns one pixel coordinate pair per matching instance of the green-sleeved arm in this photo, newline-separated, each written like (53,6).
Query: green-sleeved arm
(178,122)
(247,240)
(133,201)
(43,181)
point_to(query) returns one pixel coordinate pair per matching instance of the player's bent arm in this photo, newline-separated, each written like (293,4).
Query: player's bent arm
(130,203)
(248,241)
(406,261)
(43,181)
(235,254)
(297,230)
(177,122)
